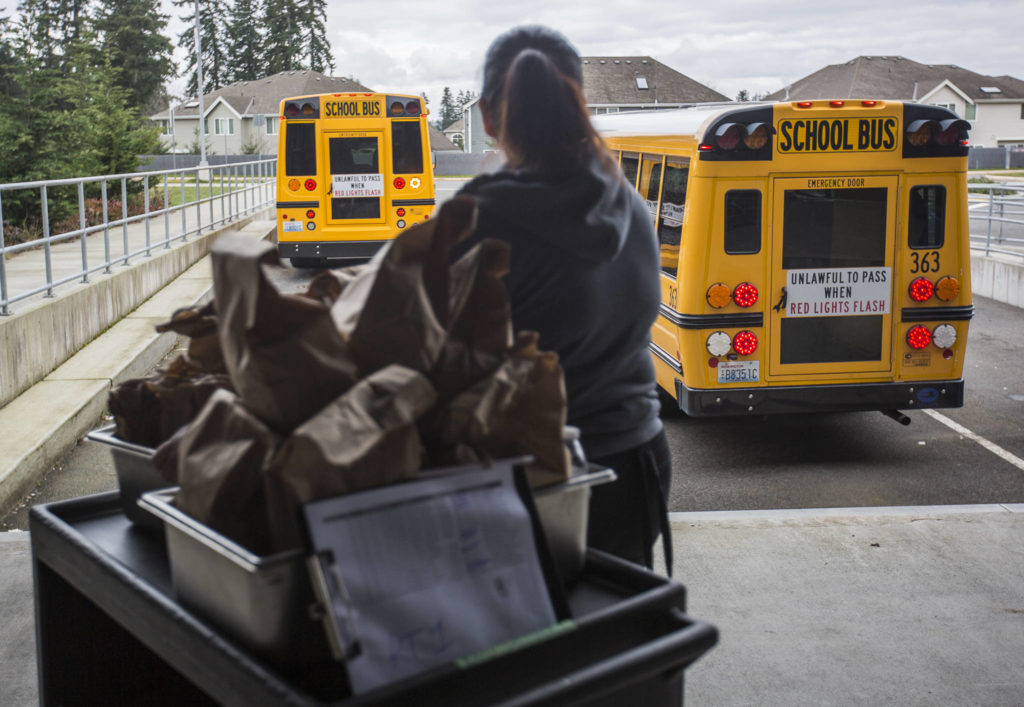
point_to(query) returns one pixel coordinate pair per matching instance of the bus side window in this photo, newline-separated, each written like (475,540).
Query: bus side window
(406,147)
(742,221)
(300,150)
(650,184)
(926,227)
(630,166)
(670,218)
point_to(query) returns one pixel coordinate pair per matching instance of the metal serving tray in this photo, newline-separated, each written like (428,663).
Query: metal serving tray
(262,601)
(136,474)
(564,514)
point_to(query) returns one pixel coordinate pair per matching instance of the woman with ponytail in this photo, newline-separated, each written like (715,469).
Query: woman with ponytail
(583,273)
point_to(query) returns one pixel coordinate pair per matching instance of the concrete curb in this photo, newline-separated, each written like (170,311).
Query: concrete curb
(43,423)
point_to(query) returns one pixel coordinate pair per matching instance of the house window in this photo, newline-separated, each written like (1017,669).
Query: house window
(641,82)
(271,125)
(971,111)
(165,127)
(223,126)
(1022,111)
(950,106)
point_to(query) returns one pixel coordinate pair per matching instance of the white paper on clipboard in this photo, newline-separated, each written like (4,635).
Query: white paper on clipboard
(429,571)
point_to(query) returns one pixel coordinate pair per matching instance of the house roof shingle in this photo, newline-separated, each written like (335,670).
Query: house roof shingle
(896,78)
(611,80)
(264,95)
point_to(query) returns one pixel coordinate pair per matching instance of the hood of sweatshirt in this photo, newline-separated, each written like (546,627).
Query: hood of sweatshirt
(589,211)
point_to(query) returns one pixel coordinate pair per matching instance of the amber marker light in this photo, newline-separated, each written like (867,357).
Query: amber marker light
(719,295)
(947,288)
(294,184)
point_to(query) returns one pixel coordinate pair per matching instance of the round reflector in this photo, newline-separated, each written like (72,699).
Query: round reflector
(310,184)
(944,336)
(745,295)
(718,295)
(918,337)
(728,135)
(311,214)
(294,184)
(947,288)
(745,343)
(412,107)
(921,289)
(719,344)
(399,183)
(396,108)
(400,212)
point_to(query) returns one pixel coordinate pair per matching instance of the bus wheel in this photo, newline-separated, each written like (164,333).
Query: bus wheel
(307,262)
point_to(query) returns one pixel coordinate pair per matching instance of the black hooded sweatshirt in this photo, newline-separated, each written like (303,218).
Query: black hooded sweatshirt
(583,273)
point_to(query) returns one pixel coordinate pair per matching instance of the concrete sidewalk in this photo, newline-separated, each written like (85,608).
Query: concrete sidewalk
(907,606)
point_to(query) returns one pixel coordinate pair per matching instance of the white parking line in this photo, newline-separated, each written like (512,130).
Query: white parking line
(990,446)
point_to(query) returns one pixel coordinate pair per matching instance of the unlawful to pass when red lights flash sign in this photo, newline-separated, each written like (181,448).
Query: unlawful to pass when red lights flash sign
(838,292)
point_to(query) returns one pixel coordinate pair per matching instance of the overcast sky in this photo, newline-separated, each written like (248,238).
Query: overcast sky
(417,46)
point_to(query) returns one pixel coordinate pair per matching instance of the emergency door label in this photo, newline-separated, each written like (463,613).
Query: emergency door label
(355,185)
(838,292)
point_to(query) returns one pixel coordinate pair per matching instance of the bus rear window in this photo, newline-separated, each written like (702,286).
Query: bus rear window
(300,150)
(742,221)
(833,228)
(926,227)
(406,147)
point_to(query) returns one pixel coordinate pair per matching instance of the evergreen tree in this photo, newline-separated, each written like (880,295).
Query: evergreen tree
(211,38)
(282,48)
(244,42)
(743,96)
(316,54)
(464,98)
(449,112)
(136,48)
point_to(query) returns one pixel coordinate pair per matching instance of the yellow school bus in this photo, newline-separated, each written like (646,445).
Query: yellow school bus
(353,169)
(814,254)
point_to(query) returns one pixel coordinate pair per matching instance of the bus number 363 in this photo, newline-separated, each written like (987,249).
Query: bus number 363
(924,262)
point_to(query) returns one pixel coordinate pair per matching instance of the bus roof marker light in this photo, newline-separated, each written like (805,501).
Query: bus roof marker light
(944,336)
(745,295)
(869,104)
(804,104)
(921,289)
(837,104)
(745,343)
(918,337)
(947,288)
(719,295)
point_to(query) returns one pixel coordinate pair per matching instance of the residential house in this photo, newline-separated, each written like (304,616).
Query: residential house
(612,84)
(456,132)
(994,105)
(242,118)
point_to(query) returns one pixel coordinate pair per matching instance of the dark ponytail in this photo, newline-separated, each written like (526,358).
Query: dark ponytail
(533,87)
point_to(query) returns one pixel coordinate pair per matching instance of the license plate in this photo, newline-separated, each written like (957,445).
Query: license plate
(739,371)
(291,226)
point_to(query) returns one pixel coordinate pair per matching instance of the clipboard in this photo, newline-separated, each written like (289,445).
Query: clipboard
(413,576)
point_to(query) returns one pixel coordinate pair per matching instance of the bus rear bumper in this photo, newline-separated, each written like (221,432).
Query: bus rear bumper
(330,249)
(820,398)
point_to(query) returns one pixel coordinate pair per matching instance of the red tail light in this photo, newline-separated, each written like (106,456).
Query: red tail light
(745,343)
(921,289)
(745,295)
(310,184)
(399,183)
(311,214)
(400,212)
(918,337)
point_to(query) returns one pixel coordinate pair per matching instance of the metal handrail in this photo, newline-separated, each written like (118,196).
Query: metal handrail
(243,188)
(1004,205)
